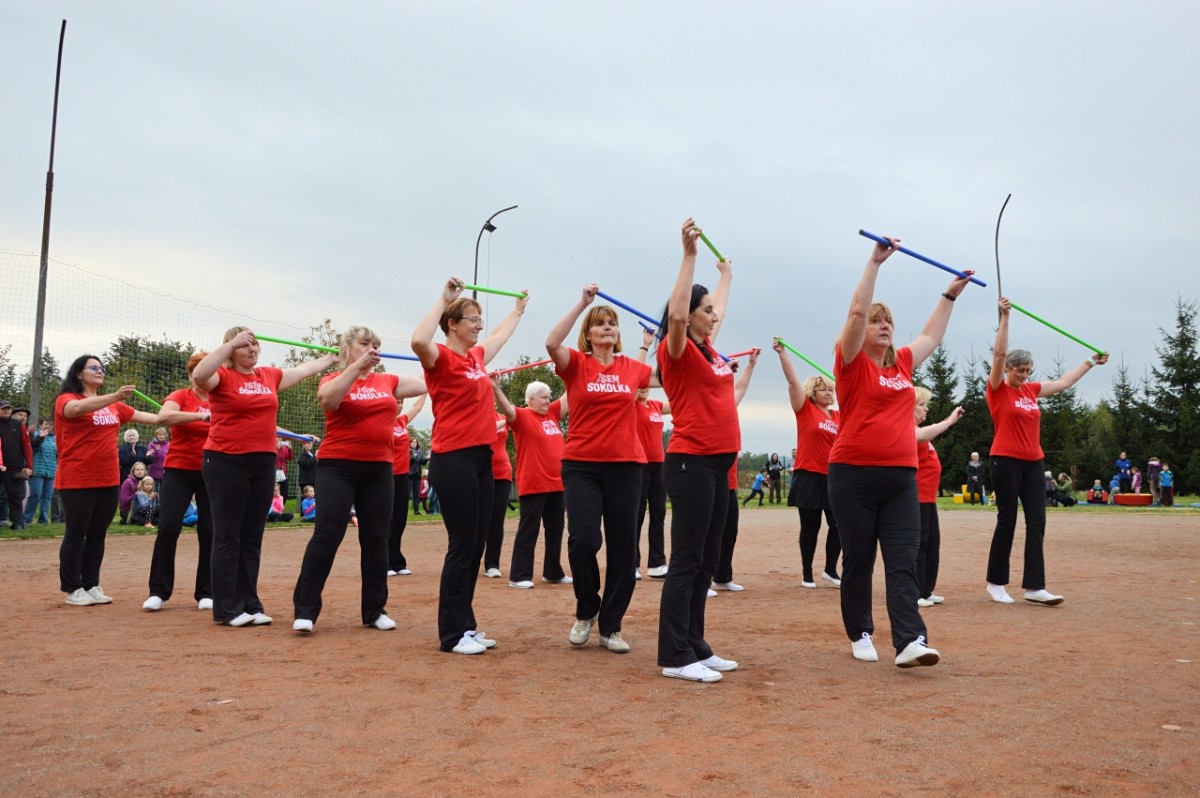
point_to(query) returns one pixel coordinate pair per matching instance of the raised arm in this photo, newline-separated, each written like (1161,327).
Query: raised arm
(743,380)
(504,330)
(331,393)
(644,352)
(411,386)
(171,416)
(1073,376)
(721,296)
(1000,347)
(931,431)
(795,387)
(205,374)
(503,406)
(935,328)
(558,333)
(854,332)
(77,407)
(681,294)
(416,407)
(422,338)
(308,368)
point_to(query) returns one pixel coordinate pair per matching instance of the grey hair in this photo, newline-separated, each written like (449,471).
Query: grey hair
(1018,357)
(535,387)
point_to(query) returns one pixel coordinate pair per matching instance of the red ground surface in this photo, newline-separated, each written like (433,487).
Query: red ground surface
(1100,696)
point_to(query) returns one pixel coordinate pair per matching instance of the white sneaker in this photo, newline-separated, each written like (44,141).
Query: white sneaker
(936,599)
(492,573)
(999,594)
(924,602)
(152,604)
(715,663)
(204,604)
(524,584)
(98,596)
(241,620)
(383,623)
(482,639)
(733,587)
(637,574)
(712,593)
(809,585)
(393,573)
(657,572)
(262,619)
(696,672)
(917,653)
(581,631)
(832,581)
(302,626)
(404,572)
(566,580)
(1043,597)
(864,649)
(615,643)
(80,598)
(469,645)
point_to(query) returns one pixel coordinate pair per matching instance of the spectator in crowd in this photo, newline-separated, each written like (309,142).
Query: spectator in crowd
(1153,469)
(130,452)
(423,494)
(1114,487)
(308,504)
(156,456)
(1166,486)
(1097,494)
(283,455)
(306,466)
(417,458)
(145,504)
(775,474)
(975,480)
(277,511)
(756,489)
(1136,481)
(1065,485)
(18,466)
(129,487)
(45,464)
(1125,473)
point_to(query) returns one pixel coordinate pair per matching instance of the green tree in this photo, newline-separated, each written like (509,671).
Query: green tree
(1176,393)
(1131,429)
(51,381)
(9,383)
(971,434)
(514,384)
(299,410)
(156,368)
(940,376)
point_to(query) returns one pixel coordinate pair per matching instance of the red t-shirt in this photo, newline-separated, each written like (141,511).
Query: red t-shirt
(703,411)
(400,446)
(362,427)
(187,440)
(815,435)
(650,430)
(244,407)
(929,472)
(877,412)
(463,407)
(87,445)
(539,442)
(603,402)
(1018,420)
(501,465)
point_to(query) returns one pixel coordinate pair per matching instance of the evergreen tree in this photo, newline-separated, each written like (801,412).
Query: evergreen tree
(973,433)
(1131,429)
(1176,406)
(51,381)
(155,368)
(1062,427)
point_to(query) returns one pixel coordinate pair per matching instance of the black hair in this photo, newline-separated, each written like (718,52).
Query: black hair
(71,382)
(698,293)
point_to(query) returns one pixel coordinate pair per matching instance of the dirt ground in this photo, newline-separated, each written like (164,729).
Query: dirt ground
(1100,696)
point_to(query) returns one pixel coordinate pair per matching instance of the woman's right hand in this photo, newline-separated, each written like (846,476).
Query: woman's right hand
(1005,306)
(242,339)
(368,361)
(690,234)
(452,289)
(882,252)
(589,294)
(776,345)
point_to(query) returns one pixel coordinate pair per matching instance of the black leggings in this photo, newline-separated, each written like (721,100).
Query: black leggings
(463,480)
(1014,479)
(699,489)
(240,487)
(87,512)
(546,510)
(724,573)
(342,484)
(876,507)
(396,561)
(654,499)
(810,527)
(929,555)
(178,487)
(495,533)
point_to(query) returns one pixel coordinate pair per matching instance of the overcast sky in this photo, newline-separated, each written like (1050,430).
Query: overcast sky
(339,159)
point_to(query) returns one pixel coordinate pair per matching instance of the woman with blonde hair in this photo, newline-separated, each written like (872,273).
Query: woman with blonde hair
(461,394)
(354,469)
(816,430)
(239,465)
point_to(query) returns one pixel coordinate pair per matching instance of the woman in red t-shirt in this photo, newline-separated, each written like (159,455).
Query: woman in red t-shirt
(239,465)
(651,413)
(539,443)
(929,474)
(1017,470)
(397,564)
(723,577)
(502,480)
(703,447)
(601,467)
(816,430)
(88,473)
(463,432)
(186,412)
(354,469)
(873,463)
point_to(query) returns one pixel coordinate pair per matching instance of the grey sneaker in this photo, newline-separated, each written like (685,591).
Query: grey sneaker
(80,598)
(98,596)
(581,631)
(614,643)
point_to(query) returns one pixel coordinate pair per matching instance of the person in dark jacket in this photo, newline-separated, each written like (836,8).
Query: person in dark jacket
(306,465)
(130,452)
(416,462)
(18,465)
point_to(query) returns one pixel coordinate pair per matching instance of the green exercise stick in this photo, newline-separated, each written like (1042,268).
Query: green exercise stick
(143,396)
(704,238)
(803,357)
(1036,317)
(486,290)
(300,344)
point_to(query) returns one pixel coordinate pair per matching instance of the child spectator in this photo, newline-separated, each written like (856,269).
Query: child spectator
(424,495)
(1097,494)
(760,479)
(1137,480)
(145,504)
(1114,487)
(129,489)
(276,513)
(306,463)
(156,455)
(1166,486)
(308,505)
(1153,468)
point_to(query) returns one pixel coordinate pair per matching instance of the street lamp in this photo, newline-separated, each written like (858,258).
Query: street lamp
(488,227)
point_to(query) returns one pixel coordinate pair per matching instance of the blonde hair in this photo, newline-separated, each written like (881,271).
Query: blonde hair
(880,310)
(923,394)
(350,337)
(142,483)
(230,334)
(595,315)
(815,383)
(456,310)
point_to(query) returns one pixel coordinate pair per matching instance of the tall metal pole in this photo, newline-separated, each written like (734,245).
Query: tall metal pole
(489,227)
(35,373)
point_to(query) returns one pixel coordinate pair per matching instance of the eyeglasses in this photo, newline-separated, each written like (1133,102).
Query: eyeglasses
(97,369)
(472,319)
(1026,370)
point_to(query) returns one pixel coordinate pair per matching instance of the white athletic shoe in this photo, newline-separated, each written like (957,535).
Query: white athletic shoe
(712,593)
(696,672)
(715,663)
(924,602)
(98,595)
(469,645)
(657,572)
(383,623)
(302,626)
(152,604)
(733,587)
(864,649)
(936,599)
(204,604)
(999,594)
(482,639)
(262,619)
(1043,597)
(832,581)
(917,653)
(524,584)
(492,573)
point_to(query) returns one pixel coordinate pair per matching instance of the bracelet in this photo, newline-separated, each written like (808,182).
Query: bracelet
(644,348)
(1089,363)
(948,296)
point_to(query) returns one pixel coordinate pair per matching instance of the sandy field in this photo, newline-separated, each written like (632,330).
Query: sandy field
(1100,696)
